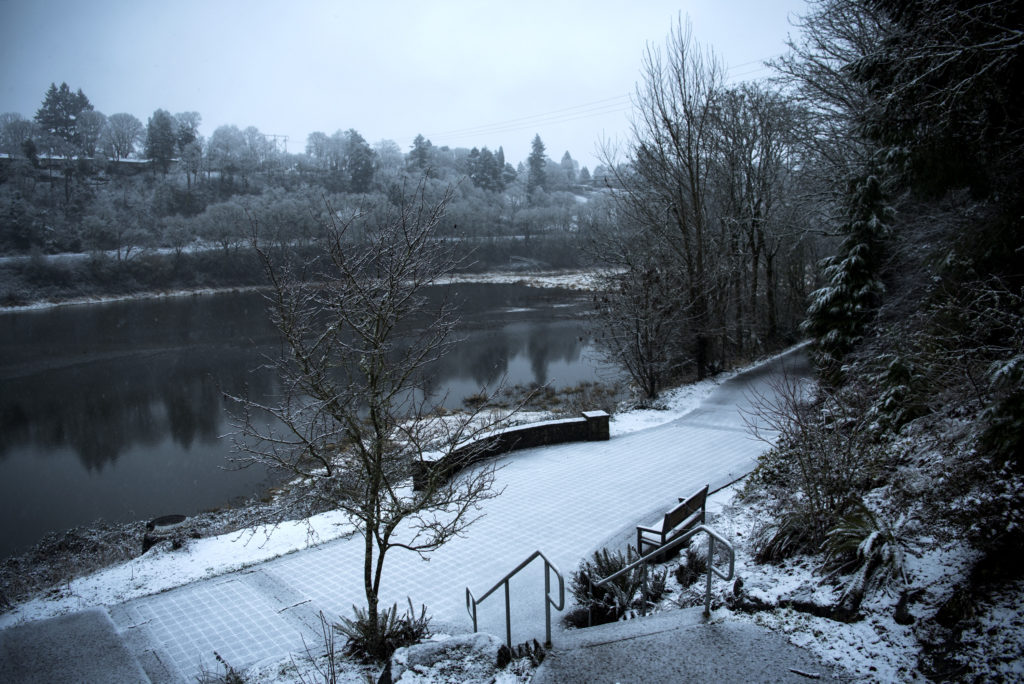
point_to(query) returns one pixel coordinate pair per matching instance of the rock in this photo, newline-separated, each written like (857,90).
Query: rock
(166,527)
(424,656)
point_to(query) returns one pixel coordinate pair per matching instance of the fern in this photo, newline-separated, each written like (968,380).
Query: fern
(376,643)
(871,552)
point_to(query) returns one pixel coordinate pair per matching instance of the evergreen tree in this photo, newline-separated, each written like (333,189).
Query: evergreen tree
(568,165)
(840,311)
(161,139)
(949,81)
(473,167)
(419,157)
(359,162)
(60,111)
(536,178)
(508,172)
(490,172)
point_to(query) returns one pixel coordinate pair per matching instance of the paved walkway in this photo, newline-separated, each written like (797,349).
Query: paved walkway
(565,501)
(678,646)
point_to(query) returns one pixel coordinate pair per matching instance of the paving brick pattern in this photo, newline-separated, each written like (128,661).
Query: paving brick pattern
(227,617)
(564,500)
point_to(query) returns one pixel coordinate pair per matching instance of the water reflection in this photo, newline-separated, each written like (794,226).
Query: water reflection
(101,408)
(133,394)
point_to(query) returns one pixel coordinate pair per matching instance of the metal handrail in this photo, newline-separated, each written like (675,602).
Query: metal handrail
(472,602)
(712,536)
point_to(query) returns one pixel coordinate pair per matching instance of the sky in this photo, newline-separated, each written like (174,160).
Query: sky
(463,74)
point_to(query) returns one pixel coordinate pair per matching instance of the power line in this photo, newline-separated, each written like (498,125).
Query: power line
(596,106)
(610,105)
(535,123)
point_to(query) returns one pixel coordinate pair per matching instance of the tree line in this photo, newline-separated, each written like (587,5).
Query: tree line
(915,433)
(151,197)
(715,232)
(75,180)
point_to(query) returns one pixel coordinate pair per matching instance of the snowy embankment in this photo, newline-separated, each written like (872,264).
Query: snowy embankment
(587,281)
(875,647)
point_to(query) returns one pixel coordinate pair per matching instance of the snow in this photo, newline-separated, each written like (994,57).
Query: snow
(443,659)
(673,404)
(569,280)
(875,648)
(160,569)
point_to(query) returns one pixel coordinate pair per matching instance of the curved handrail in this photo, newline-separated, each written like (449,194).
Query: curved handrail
(678,541)
(472,602)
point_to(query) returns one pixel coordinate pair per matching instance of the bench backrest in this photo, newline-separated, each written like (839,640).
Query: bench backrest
(686,509)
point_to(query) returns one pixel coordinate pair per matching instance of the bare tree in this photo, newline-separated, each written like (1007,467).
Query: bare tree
(666,180)
(709,224)
(362,329)
(758,185)
(121,134)
(834,36)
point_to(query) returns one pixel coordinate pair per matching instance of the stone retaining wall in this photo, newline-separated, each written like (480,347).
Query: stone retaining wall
(590,426)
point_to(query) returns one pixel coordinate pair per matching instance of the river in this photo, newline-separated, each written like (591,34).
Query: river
(115,411)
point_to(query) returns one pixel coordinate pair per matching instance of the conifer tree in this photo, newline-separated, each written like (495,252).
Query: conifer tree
(60,111)
(840,311)
(161,139)
(536,178)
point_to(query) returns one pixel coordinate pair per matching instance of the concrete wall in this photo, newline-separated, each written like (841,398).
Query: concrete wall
(590,426)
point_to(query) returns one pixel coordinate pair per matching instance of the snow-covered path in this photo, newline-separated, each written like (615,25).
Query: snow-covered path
(565,500)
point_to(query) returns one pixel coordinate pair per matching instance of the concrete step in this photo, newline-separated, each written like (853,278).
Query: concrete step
(81,647)
(678,646)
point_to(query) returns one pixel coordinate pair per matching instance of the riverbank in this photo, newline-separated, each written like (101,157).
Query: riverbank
(103,563)
(581,280)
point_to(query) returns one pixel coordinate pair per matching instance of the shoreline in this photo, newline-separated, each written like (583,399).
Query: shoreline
(584,280)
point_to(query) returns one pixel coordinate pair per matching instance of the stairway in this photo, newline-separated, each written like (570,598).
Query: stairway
(678,646)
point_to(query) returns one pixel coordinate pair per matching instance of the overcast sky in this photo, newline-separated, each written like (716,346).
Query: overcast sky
(463,74)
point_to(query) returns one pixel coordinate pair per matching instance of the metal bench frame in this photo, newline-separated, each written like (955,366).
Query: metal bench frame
(688,514)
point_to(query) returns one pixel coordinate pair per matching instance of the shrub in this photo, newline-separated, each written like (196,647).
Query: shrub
(826,457)
(871,551)
(376,643)
(229,676)
(792,530)
(633,590)
(655,586)
(694,567)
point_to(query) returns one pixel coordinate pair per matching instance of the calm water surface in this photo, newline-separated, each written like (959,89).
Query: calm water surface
(116,411)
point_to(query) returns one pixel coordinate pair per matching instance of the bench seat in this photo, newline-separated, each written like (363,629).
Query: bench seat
(683,517)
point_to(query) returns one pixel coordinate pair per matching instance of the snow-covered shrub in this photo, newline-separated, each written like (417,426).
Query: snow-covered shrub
(611,601)
(825,458)
(992,511)
(694,567)
(393,632)
(871,549)
(229,676)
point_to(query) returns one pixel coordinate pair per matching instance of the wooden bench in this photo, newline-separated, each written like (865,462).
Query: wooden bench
(683,517)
